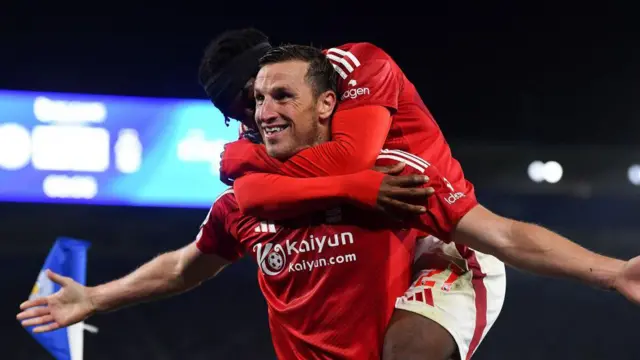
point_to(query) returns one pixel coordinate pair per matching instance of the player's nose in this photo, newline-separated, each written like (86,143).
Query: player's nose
(266,113)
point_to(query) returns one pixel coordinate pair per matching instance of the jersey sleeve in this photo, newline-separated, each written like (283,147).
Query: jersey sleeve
(242,157)
(217,232)
(367,76)
(287,197)
(446,207)
(335,157)
(248,168)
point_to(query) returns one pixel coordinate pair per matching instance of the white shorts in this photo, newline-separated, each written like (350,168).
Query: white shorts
(464,294)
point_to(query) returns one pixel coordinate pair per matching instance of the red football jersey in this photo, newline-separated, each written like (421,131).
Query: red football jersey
(369,76)
(331,279)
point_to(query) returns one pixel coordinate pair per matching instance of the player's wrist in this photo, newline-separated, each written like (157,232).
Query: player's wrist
(362,188)
(92,298)
(97,299)
(612,282)
(604,273)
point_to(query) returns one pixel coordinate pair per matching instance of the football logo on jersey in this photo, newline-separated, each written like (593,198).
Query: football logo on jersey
(448,184)
(265,227)
(453,195)
(271,259)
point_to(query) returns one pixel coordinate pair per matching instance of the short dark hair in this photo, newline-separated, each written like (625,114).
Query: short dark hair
(320,74)
(224,48)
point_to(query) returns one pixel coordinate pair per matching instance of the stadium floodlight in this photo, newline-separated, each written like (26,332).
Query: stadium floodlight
(536,171)
(553,172)
(550,171)
(634,174)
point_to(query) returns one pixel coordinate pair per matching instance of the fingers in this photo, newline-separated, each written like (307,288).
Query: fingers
(38,320)
(59,279)
(30,313)
(391,170)
(407,180)
(398,207)
(48,327)
(35,302)
(408,194)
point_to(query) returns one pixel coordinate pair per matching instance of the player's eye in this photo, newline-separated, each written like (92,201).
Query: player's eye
(281,95)
(259,99)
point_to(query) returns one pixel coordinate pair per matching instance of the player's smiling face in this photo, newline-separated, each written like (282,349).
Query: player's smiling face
(289,116)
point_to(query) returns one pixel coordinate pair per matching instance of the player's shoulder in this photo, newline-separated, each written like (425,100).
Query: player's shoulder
(358,52)
(414,164)
(226,202)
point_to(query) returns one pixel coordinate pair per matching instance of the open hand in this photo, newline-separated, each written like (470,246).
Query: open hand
(69,305)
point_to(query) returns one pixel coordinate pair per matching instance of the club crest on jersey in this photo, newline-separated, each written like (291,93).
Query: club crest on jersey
(271,259)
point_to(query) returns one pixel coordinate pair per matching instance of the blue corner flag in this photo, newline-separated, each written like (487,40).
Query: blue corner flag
(67,257)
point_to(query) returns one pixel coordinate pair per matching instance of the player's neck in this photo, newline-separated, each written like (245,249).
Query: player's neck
(323,136)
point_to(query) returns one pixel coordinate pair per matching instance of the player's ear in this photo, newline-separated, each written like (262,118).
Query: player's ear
(327,102)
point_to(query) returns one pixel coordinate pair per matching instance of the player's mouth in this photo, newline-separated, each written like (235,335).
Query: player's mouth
(273,131)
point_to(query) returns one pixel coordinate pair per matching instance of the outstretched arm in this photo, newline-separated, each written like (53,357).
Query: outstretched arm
(454,214)
(167,274)
(533,248)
